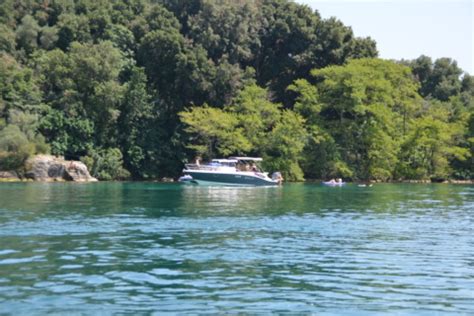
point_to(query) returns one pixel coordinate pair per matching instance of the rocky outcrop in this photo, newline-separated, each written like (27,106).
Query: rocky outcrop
(52,168)
(9,176)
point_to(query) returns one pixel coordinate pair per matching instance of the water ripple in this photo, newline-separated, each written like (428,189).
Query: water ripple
(300,249)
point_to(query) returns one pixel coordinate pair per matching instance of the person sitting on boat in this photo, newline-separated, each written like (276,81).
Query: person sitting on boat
(254,168)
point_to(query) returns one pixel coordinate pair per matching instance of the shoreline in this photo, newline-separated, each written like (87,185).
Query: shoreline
(447,181)
(169,180)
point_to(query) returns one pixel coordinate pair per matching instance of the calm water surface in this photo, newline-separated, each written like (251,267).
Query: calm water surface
(143,248)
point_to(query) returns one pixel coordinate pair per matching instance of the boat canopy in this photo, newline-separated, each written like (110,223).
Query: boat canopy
(246,158)
(225,160)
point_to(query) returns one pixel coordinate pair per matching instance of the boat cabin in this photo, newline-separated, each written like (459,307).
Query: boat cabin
(248,163)
(224,162)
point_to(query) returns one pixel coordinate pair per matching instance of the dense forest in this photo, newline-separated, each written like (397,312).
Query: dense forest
(135,88)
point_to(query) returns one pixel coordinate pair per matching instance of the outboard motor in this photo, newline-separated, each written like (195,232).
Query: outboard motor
(276,176)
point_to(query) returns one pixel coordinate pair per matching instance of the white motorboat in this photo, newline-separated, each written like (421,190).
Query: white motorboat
(231,171)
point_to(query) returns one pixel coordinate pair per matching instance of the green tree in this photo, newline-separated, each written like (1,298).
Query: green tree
(106,164)
(7,39)
(137,128)
(27,34)
(68,135)
(358,114)
(440,80)
(20,105)
(227,82)
(214,132)
(276,134)
(432,143)
(284,145)
(72,28)
(180,74)
(227,29)
(49,36)
(258,115)
(94,77)
(251,125)
(84,86)
(19,140)
(18,87)
(7,13)
(14,148)
(295,40)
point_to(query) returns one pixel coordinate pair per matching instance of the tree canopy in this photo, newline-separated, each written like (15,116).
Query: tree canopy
(137,87)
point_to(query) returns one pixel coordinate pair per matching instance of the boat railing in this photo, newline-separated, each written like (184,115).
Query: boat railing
(191,166)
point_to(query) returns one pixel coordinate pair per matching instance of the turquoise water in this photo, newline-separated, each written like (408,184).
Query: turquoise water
(144,248)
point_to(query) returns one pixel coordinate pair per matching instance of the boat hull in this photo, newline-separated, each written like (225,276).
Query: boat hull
(216,178)
(333,184)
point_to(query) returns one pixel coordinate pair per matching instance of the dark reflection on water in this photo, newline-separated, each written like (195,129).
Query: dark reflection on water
(144,247)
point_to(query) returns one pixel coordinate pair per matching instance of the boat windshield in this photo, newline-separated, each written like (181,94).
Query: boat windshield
(236,163)
(223,162)
(249,165)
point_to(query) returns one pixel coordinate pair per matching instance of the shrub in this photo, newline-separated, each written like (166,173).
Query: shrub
(106,164)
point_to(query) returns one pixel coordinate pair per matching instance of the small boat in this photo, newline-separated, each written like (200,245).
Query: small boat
(334,183)
(232,171)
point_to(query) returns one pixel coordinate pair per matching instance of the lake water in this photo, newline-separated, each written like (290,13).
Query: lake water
(144,248)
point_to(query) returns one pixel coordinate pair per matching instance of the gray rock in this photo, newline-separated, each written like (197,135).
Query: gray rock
(77,171)
(52,168)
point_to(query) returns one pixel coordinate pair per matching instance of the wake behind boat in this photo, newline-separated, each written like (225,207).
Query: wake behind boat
(232,171)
